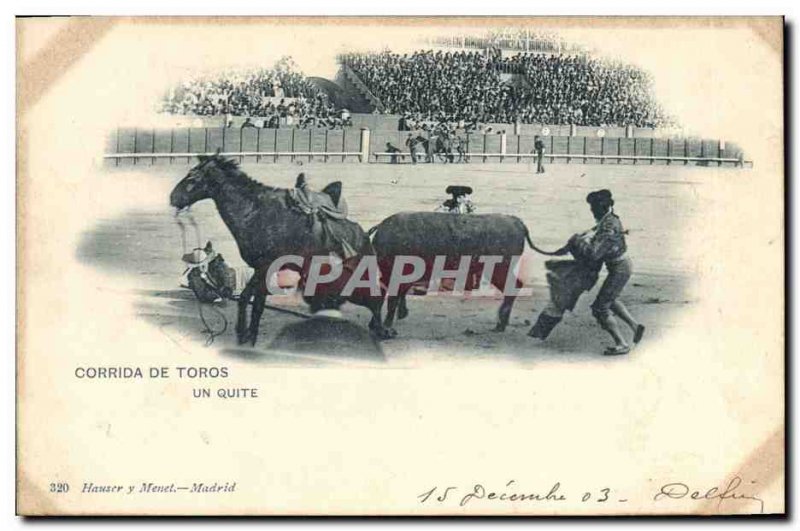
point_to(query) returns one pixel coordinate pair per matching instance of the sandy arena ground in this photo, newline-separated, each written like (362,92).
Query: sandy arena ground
(656,204)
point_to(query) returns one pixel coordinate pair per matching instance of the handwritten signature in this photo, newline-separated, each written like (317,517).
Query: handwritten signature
(679,491)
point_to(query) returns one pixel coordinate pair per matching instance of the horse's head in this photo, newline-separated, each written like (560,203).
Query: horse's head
(201,181)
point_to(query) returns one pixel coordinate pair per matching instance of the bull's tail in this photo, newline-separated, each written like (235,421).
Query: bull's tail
(533,245)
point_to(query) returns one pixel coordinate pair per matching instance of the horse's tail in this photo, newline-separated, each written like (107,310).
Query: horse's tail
(533,245)
(372,231)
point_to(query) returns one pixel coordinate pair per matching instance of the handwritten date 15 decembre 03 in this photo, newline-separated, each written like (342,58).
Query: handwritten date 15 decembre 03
(730,492)
(509,493)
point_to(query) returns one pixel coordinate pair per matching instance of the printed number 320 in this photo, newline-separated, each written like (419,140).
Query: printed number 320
(59,488)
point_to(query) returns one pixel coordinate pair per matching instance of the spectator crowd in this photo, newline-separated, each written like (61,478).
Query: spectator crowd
(280,94)
(463,89)
(469,87)
(517,39)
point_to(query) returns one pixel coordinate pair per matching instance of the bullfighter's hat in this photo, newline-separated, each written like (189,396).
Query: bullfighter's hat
(600,196)
(458,190)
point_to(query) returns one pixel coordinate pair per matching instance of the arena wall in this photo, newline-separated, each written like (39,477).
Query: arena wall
(170,146)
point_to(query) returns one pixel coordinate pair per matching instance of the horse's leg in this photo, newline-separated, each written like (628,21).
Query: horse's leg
(391,308)
(244,300)
(259,301)
(392,305)
(402,308)
(375,305)
(375,323)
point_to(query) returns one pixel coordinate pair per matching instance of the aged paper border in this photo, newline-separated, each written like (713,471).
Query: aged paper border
(80,35)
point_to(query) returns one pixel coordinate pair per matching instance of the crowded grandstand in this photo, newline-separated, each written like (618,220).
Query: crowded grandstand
(464,88)
(271,94)
(468,86)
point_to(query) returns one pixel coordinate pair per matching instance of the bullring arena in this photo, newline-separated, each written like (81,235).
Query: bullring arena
(397,130)
(658,205)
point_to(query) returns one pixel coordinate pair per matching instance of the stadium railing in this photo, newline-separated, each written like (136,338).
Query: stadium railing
(159,146)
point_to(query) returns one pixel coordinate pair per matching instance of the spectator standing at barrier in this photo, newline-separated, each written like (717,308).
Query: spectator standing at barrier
(411,143)
(393,151)
(538,147)
(431,145)
(458,144)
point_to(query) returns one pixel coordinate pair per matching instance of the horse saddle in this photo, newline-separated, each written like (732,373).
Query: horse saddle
(323,210)
(328,203)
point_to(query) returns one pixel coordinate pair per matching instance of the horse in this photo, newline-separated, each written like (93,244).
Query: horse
(266,225)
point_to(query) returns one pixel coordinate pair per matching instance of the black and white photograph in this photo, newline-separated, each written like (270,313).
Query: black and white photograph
(362,266)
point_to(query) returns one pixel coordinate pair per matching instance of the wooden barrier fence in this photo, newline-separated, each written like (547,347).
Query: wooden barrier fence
(143,146)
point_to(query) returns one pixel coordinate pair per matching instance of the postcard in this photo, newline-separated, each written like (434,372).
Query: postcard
(400,266)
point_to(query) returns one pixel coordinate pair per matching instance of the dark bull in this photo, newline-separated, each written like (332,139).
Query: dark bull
(430,234)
